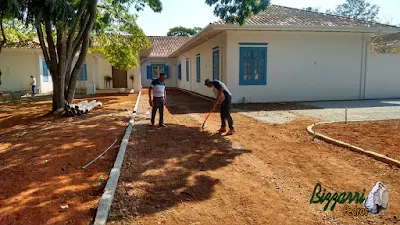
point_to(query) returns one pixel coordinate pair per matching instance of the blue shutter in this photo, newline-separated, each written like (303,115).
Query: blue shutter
(198,68)
(45,71)
(216,63)
(149,72)
(83,73)
(187,69)
(252,68)
(179,71)
(166,71)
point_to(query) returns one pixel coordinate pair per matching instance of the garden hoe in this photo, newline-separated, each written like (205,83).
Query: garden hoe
(204,124)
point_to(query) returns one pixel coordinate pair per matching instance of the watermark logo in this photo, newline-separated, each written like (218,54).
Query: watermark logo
(376,202)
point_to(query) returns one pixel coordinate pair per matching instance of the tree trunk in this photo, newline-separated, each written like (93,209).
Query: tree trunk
(58,93)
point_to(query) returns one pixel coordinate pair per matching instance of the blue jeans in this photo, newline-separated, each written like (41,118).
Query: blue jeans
(33,90)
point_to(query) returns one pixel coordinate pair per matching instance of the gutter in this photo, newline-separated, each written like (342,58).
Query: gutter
(310,28)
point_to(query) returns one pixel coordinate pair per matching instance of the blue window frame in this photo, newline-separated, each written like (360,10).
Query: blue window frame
(154,70)
(83,73)
(179,71)
(198,68)
(253,65)
(45,71)
(187,69)
(215,63)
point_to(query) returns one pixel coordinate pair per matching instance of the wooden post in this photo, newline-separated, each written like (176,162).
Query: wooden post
(345,117)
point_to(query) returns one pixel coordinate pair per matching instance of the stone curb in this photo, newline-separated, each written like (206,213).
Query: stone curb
(109,191)
(374,155)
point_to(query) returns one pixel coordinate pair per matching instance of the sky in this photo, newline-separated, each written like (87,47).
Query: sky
(196,13)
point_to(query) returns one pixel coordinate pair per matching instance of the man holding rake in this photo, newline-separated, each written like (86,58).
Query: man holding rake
(225,97)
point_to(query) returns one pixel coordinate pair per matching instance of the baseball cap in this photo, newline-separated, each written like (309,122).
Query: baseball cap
(207,81)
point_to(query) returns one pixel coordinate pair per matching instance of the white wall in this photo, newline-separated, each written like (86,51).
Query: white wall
(45,87)
(18,65)
(383,76)
(301,66)
(173,75)
(205,50)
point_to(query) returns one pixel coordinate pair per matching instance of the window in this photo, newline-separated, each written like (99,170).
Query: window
(215,64)
(83,73)
(198,68)
(187,69)
(154,70)
(253,65)
(45,71)
(179,71)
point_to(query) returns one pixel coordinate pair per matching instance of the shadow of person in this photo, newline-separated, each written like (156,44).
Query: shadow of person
(165,167)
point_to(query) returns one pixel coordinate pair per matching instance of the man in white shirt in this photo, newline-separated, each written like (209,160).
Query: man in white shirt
(33,83)
(224,96)
(159,99)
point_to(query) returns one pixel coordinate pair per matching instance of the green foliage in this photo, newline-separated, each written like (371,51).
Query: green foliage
(183,31)
(117,36)
(357,9)
(16,31)
(237,11)
(312,9)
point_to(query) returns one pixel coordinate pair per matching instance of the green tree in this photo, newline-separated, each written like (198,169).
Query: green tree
(357,9)
(312,9)
(67,28)
(183,31)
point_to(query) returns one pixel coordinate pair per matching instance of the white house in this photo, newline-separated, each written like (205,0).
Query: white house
(282,54)
(19,61)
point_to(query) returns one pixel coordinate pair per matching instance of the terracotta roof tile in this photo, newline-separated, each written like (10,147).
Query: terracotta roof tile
(23,44)
(165,45)
(286,16)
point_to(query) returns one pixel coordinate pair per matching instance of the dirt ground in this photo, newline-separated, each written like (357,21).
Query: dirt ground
(381,136)
(41,157)
(264,174)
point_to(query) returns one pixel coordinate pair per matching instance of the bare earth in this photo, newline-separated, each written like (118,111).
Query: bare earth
(381,136)
(41,157)
(265,174)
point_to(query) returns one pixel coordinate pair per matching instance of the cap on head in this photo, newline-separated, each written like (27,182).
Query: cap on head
(207,81)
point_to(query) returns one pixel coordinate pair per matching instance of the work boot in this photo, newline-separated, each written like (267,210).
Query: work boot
(231,131)
(222,130)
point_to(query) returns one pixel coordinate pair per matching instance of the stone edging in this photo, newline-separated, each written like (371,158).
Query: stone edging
(109,191)
(374,155)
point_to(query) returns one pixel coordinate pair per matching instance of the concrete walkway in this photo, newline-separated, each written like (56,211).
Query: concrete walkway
(367,110)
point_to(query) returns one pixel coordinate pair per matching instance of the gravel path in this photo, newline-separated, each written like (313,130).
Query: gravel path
(367,110)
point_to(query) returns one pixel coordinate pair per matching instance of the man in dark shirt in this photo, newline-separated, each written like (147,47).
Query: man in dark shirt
(223,95)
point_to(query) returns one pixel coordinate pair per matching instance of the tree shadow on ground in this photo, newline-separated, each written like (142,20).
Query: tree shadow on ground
(41,157)
(166,167)
(184,100)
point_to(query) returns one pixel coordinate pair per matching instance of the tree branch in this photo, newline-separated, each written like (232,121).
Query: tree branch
(61,51)
(74,26)
(50,42)
(3,33)
(85,22)
(84,49)
(41,40)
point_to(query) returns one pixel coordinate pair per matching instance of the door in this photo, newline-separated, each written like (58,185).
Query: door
(119,78)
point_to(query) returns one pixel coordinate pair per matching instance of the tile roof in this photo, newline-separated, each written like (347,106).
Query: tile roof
(165,45)
(23,44)
(390,39)
(286,16)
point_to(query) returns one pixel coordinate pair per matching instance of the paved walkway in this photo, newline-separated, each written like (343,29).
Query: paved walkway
(367,110)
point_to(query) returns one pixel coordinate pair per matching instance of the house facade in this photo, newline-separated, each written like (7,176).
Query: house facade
(285,54)
(19,61)
(280,55)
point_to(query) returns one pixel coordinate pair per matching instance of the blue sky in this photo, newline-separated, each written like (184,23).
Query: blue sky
(195,13)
